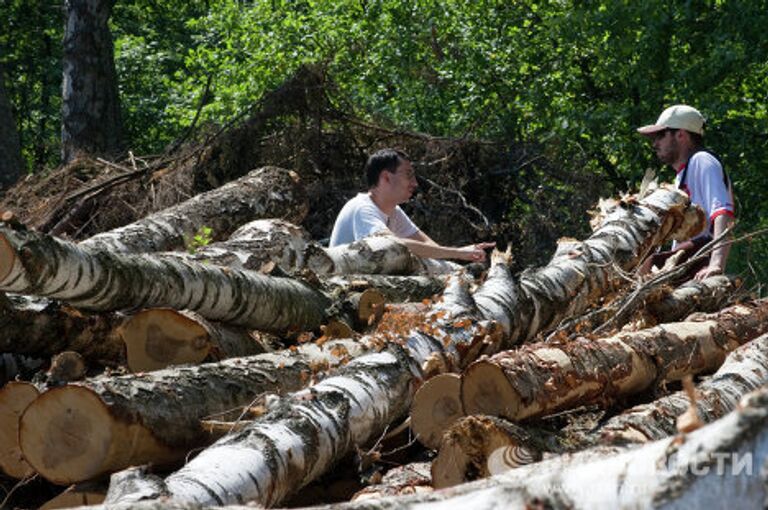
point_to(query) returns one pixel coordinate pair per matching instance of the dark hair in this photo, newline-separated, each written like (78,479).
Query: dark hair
(384,159)
(696,139)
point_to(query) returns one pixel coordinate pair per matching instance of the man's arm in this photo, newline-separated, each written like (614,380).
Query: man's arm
(422,245)
(719,255)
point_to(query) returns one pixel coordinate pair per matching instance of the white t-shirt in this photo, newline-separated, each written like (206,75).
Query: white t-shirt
(705,185)
(360,217)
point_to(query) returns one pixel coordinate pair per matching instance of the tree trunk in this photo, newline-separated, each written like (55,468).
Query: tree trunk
(91,119)
(278,454)
(11,163)
(378,254)
(654,305)
(33,263)
(545,378)
(708,295)
(14,399)
(41,327)
(721,462)
(572,282)
(257,246)
(302,435)
(79,431)
(744,370)
(268,192)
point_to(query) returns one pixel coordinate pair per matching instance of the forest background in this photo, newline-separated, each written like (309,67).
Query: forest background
(569,79)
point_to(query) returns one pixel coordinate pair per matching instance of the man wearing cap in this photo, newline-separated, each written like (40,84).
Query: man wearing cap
(392,180)
(677,138)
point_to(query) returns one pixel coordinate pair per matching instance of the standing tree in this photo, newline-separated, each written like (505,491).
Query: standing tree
(11,161)
(91,120)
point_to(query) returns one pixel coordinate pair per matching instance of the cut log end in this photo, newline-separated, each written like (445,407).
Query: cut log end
(436,405)
(68,435)
(337,329)
(477,447)
(7,257)
(370,301)
(486,390)
(63,435)
(160,337)
(14,399)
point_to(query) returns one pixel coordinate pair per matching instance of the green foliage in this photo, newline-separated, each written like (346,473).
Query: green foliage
(202,238)
(30,54)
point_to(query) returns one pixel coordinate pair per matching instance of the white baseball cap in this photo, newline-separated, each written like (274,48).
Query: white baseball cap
(679,116)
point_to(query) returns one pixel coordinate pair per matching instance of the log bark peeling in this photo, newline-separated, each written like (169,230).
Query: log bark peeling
(545,378)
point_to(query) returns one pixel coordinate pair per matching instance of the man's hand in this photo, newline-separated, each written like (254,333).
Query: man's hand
(710,270)
(474,252)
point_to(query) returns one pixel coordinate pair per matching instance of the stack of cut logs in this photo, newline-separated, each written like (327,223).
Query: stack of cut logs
(247,368)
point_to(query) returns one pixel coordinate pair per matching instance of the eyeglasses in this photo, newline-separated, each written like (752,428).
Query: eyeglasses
(661,134)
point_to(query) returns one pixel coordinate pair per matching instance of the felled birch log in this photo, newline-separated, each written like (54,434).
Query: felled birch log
(33,263)
(377,254)
(708,295)
(82,430)
(42,327)
(544,378)
(273,457)
(477,446)
(654,306)
(157,338)
(255,246)
(268,192)
(572,282)
(719,465)
(744,370)
(436,406)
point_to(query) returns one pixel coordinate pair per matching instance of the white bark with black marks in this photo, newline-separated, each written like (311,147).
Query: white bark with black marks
(37,264)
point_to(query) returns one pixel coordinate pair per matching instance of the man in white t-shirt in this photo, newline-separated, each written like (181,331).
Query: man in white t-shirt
(677,138)
(391,182)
